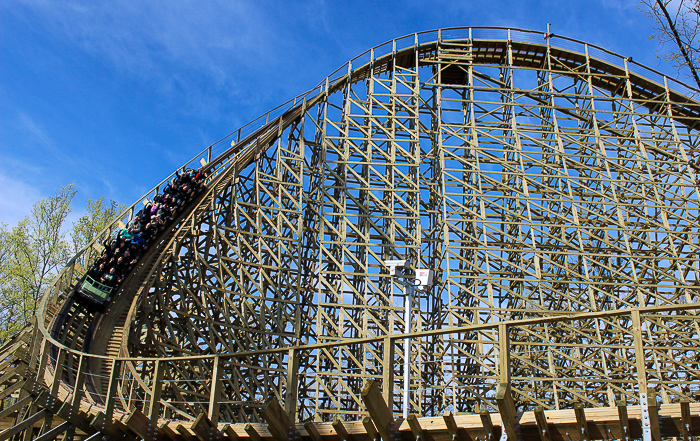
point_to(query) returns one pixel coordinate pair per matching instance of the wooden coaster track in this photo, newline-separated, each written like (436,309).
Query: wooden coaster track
(550,185)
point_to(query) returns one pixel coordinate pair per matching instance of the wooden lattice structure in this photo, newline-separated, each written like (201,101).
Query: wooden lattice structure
(552,188)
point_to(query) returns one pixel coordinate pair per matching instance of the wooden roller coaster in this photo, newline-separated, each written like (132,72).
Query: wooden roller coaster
(550,187)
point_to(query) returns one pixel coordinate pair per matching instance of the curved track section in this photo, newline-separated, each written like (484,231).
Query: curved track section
(550,186)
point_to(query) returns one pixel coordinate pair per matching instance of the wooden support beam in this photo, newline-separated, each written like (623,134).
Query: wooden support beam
(167,432)
(112,389)
(107,427)
(581,422)
(252,433)
(388,371)
(15,407)
(230,433)
(156,389)
(185,433)
(488,425)
(542,426)
(378,410)
(141,425)
(653,417)
(340,429)
(292,385)
(79,382)
(506,407)
(452,427)
(370,429)
(204,429)
(216,388)
(416,429)
(53,433)
(278,422)
(624,420)
(312,431)
(17,428)
(686,422)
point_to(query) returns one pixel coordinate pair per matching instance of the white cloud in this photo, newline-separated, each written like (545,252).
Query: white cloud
(16,199)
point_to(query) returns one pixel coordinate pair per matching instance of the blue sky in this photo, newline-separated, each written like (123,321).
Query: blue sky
(112,96)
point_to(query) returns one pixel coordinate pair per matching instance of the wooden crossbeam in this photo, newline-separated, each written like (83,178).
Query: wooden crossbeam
(378,409)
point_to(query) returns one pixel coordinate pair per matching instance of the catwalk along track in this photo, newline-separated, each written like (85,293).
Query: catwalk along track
(550,186)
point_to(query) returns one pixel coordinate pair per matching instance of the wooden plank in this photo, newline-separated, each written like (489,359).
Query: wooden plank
(489,432)
(53,433)
(416,429)
(292,386)
(17,428)
(370,429)
(504,353)
(452,427)
(581,422)
(102,424)
(339,428)
(506,407)
(204,429)
(624,420)
(216,388)
(378,410)
(185,433)
(230,433)
(15,407)
(140,424)
(278,422)
(112,389)
(167,432)
(252,433)
(542,426)
(156,391)
(388,370)
(654,417)
(79,381)
(686,422)
(312,431)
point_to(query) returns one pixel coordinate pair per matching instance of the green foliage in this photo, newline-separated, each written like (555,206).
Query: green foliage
(34,251)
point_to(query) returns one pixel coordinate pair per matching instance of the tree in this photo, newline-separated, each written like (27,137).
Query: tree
(34,251)
(678,22)
(99,215)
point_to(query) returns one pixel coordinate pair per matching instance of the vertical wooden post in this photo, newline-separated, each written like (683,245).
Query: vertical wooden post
(112,390)
(156,389)
(388,373)
(215,393)
(79,381)
(503,353)
(639,351)
(58,372)
(292,386)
